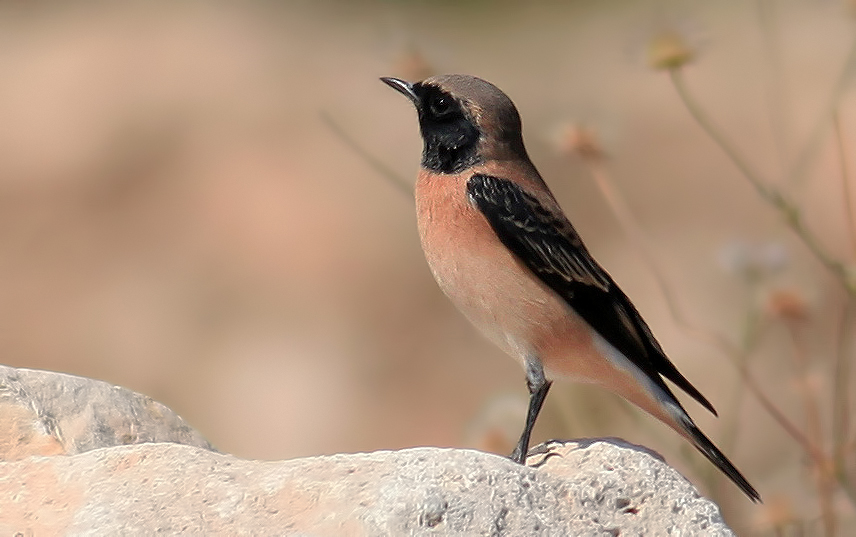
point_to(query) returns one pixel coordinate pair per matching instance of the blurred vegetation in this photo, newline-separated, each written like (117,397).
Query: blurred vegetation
(184,213)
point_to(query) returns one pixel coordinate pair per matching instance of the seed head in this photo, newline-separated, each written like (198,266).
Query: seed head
(668,50)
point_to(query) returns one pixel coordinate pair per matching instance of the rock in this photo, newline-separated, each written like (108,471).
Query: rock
(47,413)
(170,480)
(586,488)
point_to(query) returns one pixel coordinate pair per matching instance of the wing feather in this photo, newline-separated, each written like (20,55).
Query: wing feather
(549,246)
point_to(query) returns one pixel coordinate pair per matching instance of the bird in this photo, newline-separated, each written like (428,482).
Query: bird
(503,251)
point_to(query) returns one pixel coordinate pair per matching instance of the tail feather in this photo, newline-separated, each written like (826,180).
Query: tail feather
(706,447)
(669,371)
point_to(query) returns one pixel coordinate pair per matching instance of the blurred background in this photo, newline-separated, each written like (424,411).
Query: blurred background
(182,212)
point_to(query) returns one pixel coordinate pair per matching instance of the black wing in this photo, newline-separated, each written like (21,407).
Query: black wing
(549,246)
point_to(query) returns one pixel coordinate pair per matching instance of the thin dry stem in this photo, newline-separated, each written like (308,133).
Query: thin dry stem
(735,355)
(823,467)
(845,180)
(385,171)
(841,404)
(732,421)
(770,194)
(816,137)
(625,217)
(777,96)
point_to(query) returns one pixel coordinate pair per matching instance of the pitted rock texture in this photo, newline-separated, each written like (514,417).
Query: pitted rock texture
(587,488)
(47,413)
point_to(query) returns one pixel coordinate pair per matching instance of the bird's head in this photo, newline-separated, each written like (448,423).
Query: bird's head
(464,120)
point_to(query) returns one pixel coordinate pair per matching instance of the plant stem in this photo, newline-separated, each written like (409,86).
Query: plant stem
(736,356)
(776,90)
(845,180)
(816,136)
(841,405)
(771,195)
(398,181)
(823,467)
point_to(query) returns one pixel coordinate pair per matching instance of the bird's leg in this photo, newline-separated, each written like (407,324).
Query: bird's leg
(538,388)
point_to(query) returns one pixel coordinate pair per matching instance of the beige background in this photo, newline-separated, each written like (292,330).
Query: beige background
(177,218)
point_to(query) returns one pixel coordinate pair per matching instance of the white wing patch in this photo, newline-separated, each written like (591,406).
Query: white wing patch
(621,362)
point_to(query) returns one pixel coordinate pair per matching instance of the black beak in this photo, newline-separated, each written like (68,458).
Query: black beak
(405,88)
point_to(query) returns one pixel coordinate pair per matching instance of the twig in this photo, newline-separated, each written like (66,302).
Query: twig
(792,218)
(735,355)
(771,195)
(774,82)
(625,217)
(816,136)
(845,180)
(841,405)
(813,423)
(398,181)
(732,421)
(807,445)
(841,391)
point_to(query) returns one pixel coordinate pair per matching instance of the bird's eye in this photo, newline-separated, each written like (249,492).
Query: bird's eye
(440,105)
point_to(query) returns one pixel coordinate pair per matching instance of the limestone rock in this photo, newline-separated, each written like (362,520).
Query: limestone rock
(47,413)
(101,485)
(585,488)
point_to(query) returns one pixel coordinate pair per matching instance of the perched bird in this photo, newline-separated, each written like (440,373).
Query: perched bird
(503,251)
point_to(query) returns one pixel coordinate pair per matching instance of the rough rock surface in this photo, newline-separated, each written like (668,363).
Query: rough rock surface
(68,470)
(593,488)
(47,413)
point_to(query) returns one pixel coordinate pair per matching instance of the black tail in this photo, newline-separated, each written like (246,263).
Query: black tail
(703,444)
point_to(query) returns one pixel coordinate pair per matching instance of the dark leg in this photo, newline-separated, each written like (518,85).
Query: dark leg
(538,388)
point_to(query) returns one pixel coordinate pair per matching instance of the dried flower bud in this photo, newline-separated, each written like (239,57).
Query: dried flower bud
(787,304)
(580,140)
(669,50)
(412,65)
